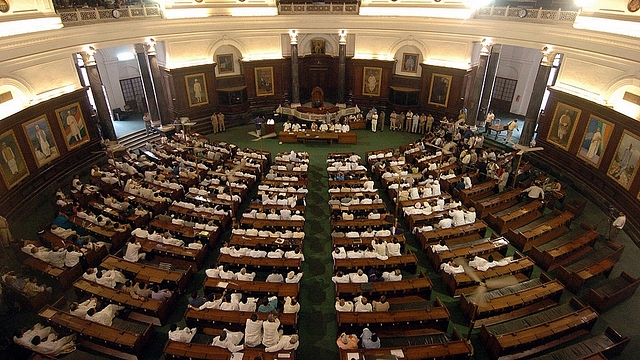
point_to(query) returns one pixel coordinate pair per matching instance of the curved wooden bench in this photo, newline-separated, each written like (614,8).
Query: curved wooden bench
(421,286)
(188,351)
(609,343)
(612,292)
(496,202)
(515,216)
(565,249)
(257,263)
(468,250)
(260,288)
(232,320)
(408,262)
(454,235)
(526,237)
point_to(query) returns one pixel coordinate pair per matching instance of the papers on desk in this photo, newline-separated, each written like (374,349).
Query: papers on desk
(397,352)
(237,356)
(351,356)
(222,284)
(284,355)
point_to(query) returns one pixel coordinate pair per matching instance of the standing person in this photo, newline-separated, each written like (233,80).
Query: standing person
(147,122)
(214,122)
(617,225)
(381,120)
(374,121)
(415,120)
(392,120)
(221,125)
(422,122)
(512,125)
(407,121)
(5,235)
(488,121)
(429,123)
(258,122)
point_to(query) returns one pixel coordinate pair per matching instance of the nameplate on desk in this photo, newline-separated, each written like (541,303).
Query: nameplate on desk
(222,284)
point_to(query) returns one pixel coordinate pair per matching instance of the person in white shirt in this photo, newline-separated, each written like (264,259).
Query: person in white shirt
(369,339)
(340,278)
(291,305)
(286,342)
(253,331)
(534,192)
(458,216)
(104,316)
(440,247)
(293,278)
(339,253)
(229,340)
(275,254)
(181,335)
(80,309)
(343,306)
(451,268)
(243,275)
(294,254)
(445,223)
(393,248)
(275,276)
(470,216)
(380,246)
(228,304)
(361,304)
(358,277)
(211,303)
(617,226)
(133,251)
(396,275)
(72,257)
(270,332)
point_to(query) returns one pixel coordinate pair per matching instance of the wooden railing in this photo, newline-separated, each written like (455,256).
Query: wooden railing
(82,16)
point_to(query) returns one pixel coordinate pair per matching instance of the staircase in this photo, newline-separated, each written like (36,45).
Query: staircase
(138,138)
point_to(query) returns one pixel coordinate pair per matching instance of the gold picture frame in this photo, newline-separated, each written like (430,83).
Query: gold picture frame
(625,162)
(43,145)
(371,81)
(439,90)
(225,63)
(73,127)
(410,62)
(318,47)
(565,118)
(595,140)
(196,89)
(12,165)
(264,81)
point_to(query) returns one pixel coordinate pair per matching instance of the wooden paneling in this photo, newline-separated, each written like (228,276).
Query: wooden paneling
(177,91)
(457,90)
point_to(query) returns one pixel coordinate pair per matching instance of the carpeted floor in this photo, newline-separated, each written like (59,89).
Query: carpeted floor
(317,324)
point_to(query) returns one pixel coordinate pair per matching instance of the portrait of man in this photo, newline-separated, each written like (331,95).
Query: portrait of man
(439,92)
(563,125)
(264,81)
(624,165)
(594,140)
(72,125)
(317,47)
(43,146)
(410,62)
(197,90)
(225,63)
(12,164)
(371,81)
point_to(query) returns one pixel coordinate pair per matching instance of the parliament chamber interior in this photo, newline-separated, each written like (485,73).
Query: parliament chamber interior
(284,179)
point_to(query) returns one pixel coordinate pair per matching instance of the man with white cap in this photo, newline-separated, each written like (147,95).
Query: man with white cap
(270,333)
(286,342)
(293,278)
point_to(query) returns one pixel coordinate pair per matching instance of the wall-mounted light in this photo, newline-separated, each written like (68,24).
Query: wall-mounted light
(293,35)
(343,36)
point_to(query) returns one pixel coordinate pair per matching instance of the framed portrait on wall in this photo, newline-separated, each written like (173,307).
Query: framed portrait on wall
(196,89)
(225,63)
(410,62)
(563,124)
(624,166)
(264,81)
(371,77)
(43,146)
(73,126)
(595,139)
(12,165)
(439,91)
(318,47)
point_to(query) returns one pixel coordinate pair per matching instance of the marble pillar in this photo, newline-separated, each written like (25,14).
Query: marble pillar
(478,85)
(537,94)
(99,97)
(295,81)
(342,68)
(158,84)
(147,83)
(489,80)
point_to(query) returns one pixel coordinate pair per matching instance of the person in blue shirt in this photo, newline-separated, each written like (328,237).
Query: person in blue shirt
(269,304)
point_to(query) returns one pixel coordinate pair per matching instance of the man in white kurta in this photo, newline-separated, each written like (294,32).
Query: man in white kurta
(229,340)
(253,331)
(270,333)
(286,342)
(182,335)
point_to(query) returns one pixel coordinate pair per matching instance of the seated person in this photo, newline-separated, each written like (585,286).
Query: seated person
(342,305)
(229,340)
(104,316)
(185,335)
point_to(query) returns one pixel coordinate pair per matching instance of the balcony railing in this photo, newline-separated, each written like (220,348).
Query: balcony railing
(81,16)
(534,15)
(318,8)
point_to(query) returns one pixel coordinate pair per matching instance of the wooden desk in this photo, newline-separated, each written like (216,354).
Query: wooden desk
(261,288)
(459,284)
(189,351)
(453,236)
(65,276)
(178,256)
(103,336)
(92,256)
(420,286)
(220,220)
(408,262)
(155,312)
(305,136)
(593,264)
(154,206)
(496,202)
(468,250)
(498,128)
(123,217)
(265,223)
(266,242)
(150,274)
(512,305)
(361,223)
(477,191)
(563,250)
(257,263)
(542,233)
(232,320)
(187,232)
(515,217)
(288,137)
(390,322)
(613,292)
(116,238)
(365,241)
